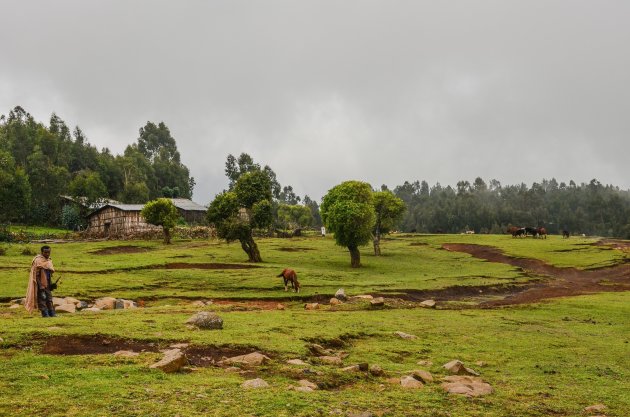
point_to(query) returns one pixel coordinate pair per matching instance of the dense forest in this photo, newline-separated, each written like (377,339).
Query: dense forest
(589,208)
(39,162)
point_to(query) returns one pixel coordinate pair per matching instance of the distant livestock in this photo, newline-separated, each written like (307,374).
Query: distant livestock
(565,234)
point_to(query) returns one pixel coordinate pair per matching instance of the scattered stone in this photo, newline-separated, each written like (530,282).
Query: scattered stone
(179,345)
(129,304)
(206,320)
(232,369)
(331,360)
(318,350)
(410,382)
(251,359)
(254,384)
(395,381)
(307,384)
(351,368)
(297,362)
(66,308)
(19,301)
(428,303)
(480,363)
(422,375)
(91,309)
(377,302)
(595,408)
(457,367)
(126,354)
(376,370)
(303,389)
(404,335)
(311,306)
(119,303)
(105,303)
(334,301)
(466,385)
(172,361)
(341,295)
(198,303)
(425,363)
(361,414)
(280,307)
(14,306)
(363,297)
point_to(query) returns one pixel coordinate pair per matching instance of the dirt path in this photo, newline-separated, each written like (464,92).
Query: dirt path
(560,282)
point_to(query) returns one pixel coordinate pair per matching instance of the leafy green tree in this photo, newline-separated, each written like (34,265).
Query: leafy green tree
(294,216)
(161,212)
(389,210)
(236,213)
(15,190)
(234,168)
(314,207)
(71,217)
(88,185)
(348,211)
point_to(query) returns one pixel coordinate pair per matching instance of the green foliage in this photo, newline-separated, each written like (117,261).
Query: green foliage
(161,212)
(88,185)
(294,216)
(70,217)
(347,211)
(252,187)
(389,210)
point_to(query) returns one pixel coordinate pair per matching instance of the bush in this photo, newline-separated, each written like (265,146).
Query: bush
(70,217)
(28,251)
(3,251)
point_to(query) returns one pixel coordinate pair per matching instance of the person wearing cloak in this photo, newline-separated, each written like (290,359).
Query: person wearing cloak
(40,285)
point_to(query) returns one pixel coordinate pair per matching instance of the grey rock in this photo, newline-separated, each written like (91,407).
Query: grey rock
(404,335)
(254,384)
(251,359)
(466,385)
(172,361)
(457,367)
(428,303)
(105,303)
(410,382)
(341,295)
(206,320)
(377,302)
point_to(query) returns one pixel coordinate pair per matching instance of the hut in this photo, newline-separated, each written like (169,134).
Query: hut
(119,219)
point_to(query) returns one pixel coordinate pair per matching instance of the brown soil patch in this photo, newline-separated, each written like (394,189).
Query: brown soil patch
(93,344)
(288,249)
(623,245)
(116,250)
(561,282)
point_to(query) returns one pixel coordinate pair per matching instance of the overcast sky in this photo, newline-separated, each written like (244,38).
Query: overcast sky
(326,91)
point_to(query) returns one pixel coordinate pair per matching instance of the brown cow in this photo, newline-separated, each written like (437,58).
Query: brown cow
(542,232)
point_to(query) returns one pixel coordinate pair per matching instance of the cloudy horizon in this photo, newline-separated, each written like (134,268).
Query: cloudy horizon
(324,91)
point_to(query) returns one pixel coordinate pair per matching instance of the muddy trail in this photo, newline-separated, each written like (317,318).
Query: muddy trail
(555,281)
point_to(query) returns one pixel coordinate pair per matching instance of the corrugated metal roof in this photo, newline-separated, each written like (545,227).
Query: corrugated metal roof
(185,204)
(127,207)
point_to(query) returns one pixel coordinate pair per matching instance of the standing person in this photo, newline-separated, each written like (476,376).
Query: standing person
(40,285)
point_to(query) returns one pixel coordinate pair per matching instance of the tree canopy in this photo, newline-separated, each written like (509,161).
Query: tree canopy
(348,211)
(161,212)
(388,210)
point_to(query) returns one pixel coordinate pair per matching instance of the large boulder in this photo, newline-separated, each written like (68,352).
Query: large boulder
(254,384)
(105,303)
(457,367)
(466,385)
(172,361)
(66,308)
(422,375)
(206,320)
(251,359)
(410,382)
(341,295)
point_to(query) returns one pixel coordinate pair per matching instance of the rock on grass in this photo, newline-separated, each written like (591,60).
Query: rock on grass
(172,361)
(206,320)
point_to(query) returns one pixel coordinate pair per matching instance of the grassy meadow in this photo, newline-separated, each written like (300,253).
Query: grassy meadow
(554,357)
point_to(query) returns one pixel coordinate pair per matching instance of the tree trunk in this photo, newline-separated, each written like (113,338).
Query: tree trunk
(377,242)
(355,256)
(167,235)
(251,249)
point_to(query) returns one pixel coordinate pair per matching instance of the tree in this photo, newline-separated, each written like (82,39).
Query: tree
(294,216)
(348,211)
(88,185)
(161,212)
(389,210)
(236,213)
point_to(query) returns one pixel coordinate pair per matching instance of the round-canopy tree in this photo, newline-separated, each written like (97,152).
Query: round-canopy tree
(236,213)
(348,211)
(389,210)
(161,212)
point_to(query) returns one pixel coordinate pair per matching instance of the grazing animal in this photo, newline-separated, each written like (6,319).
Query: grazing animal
(289,275)
(512,230)
(542,233)
(565,234)
(531,231)
(519,232)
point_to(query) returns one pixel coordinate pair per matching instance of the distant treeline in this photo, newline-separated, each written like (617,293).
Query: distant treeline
(39,162)
(592,208)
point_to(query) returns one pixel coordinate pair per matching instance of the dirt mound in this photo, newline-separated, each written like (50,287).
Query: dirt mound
(116,250)
(561,282)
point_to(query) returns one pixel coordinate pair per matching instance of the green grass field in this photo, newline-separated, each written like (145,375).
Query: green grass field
(554,357)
